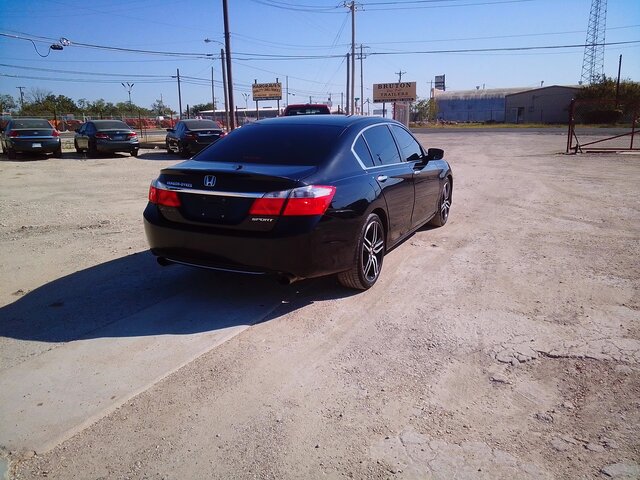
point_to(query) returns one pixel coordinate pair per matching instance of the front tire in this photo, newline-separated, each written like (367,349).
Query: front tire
(444,205)
(369,255)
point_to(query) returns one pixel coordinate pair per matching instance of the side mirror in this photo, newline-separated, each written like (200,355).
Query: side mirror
(435,154)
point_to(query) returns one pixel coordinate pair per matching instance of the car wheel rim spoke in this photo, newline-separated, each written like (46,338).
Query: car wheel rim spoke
(372,251)
(445,203)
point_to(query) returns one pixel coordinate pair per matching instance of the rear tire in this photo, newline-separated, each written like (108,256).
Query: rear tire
(134,152)
(11,154)
(369,255)
(183,150)
(58,153)
(92,150)
(444,205)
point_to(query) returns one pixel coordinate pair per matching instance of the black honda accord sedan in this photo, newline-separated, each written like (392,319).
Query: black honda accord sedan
(299,197)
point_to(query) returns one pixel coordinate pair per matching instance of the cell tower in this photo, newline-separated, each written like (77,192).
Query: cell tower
(593,60)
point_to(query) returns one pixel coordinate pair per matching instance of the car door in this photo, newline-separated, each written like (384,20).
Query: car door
(175,135)
(395,178)
(82,140)
(426,175)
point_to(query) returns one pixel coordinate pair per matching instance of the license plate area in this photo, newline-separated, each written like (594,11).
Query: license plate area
(36,145)
(215,209)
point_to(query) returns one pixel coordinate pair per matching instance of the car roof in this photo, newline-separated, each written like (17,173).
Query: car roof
(345,121)
(195,120)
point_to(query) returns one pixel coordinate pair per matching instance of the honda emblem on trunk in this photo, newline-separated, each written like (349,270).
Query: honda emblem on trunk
(210,181)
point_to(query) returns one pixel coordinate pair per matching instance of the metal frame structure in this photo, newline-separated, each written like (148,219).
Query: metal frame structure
(589,146)
(593,60)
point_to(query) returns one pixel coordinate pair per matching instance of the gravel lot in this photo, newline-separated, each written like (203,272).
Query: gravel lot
(503,345)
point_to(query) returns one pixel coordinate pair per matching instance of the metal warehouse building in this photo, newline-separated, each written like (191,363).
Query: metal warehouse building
(541,105)
(511,105)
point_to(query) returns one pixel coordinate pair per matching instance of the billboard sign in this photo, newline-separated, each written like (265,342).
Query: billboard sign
(439,84)
(394,92)
(266,91)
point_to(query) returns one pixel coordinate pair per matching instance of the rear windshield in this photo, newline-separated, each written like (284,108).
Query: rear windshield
(201,125)
(275,145)
(27,123)
(306,110)
(109,124)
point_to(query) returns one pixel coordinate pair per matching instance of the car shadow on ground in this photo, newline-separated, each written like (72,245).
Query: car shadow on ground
(133,296)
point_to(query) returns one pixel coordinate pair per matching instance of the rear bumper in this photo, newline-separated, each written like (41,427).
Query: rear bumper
(324,249)
(109,146)
(34,145)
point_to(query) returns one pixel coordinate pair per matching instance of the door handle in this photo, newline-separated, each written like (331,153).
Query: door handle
(382,178)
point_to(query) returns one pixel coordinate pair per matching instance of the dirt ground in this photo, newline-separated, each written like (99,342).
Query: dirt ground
(504,345)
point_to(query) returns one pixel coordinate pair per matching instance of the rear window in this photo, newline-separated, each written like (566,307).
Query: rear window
(109,124)
(201,125)
(26,123)
(275,145)
(307,110)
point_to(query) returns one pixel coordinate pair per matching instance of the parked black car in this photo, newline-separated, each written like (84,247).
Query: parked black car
(191,136)
(30,135)
(106,136)
(299,197)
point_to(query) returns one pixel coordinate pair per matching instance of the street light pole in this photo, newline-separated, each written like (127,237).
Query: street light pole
(128,87)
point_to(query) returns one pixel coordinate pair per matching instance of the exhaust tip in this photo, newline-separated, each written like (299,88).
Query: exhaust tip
(285,279)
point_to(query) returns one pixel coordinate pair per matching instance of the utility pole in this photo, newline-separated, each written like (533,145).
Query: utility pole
(225,89)
(277,81)
(21,97)
(361,85)
(227,44)
(213,97)
(128,87)
(352,7)
(400,73)
(348,105)
(618,82)
(179,94)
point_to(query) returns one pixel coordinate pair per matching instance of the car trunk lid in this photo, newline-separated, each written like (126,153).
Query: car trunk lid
(221,194)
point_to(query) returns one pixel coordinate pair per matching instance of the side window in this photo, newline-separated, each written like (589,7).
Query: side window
(361,149)
(382,146)
(409,146)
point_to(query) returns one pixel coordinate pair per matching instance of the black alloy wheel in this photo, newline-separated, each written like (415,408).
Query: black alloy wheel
(444,205)
(369,256)
(167,147)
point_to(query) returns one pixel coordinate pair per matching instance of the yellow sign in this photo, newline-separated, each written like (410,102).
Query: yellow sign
(267,91)
(394,92)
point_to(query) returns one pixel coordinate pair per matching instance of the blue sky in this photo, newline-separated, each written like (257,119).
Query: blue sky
(386,28)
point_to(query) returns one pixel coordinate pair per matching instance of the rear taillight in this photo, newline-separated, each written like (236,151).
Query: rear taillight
(311,200)
(55,133)
(159,196)
(132,135)
(102,135)
(14,133)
